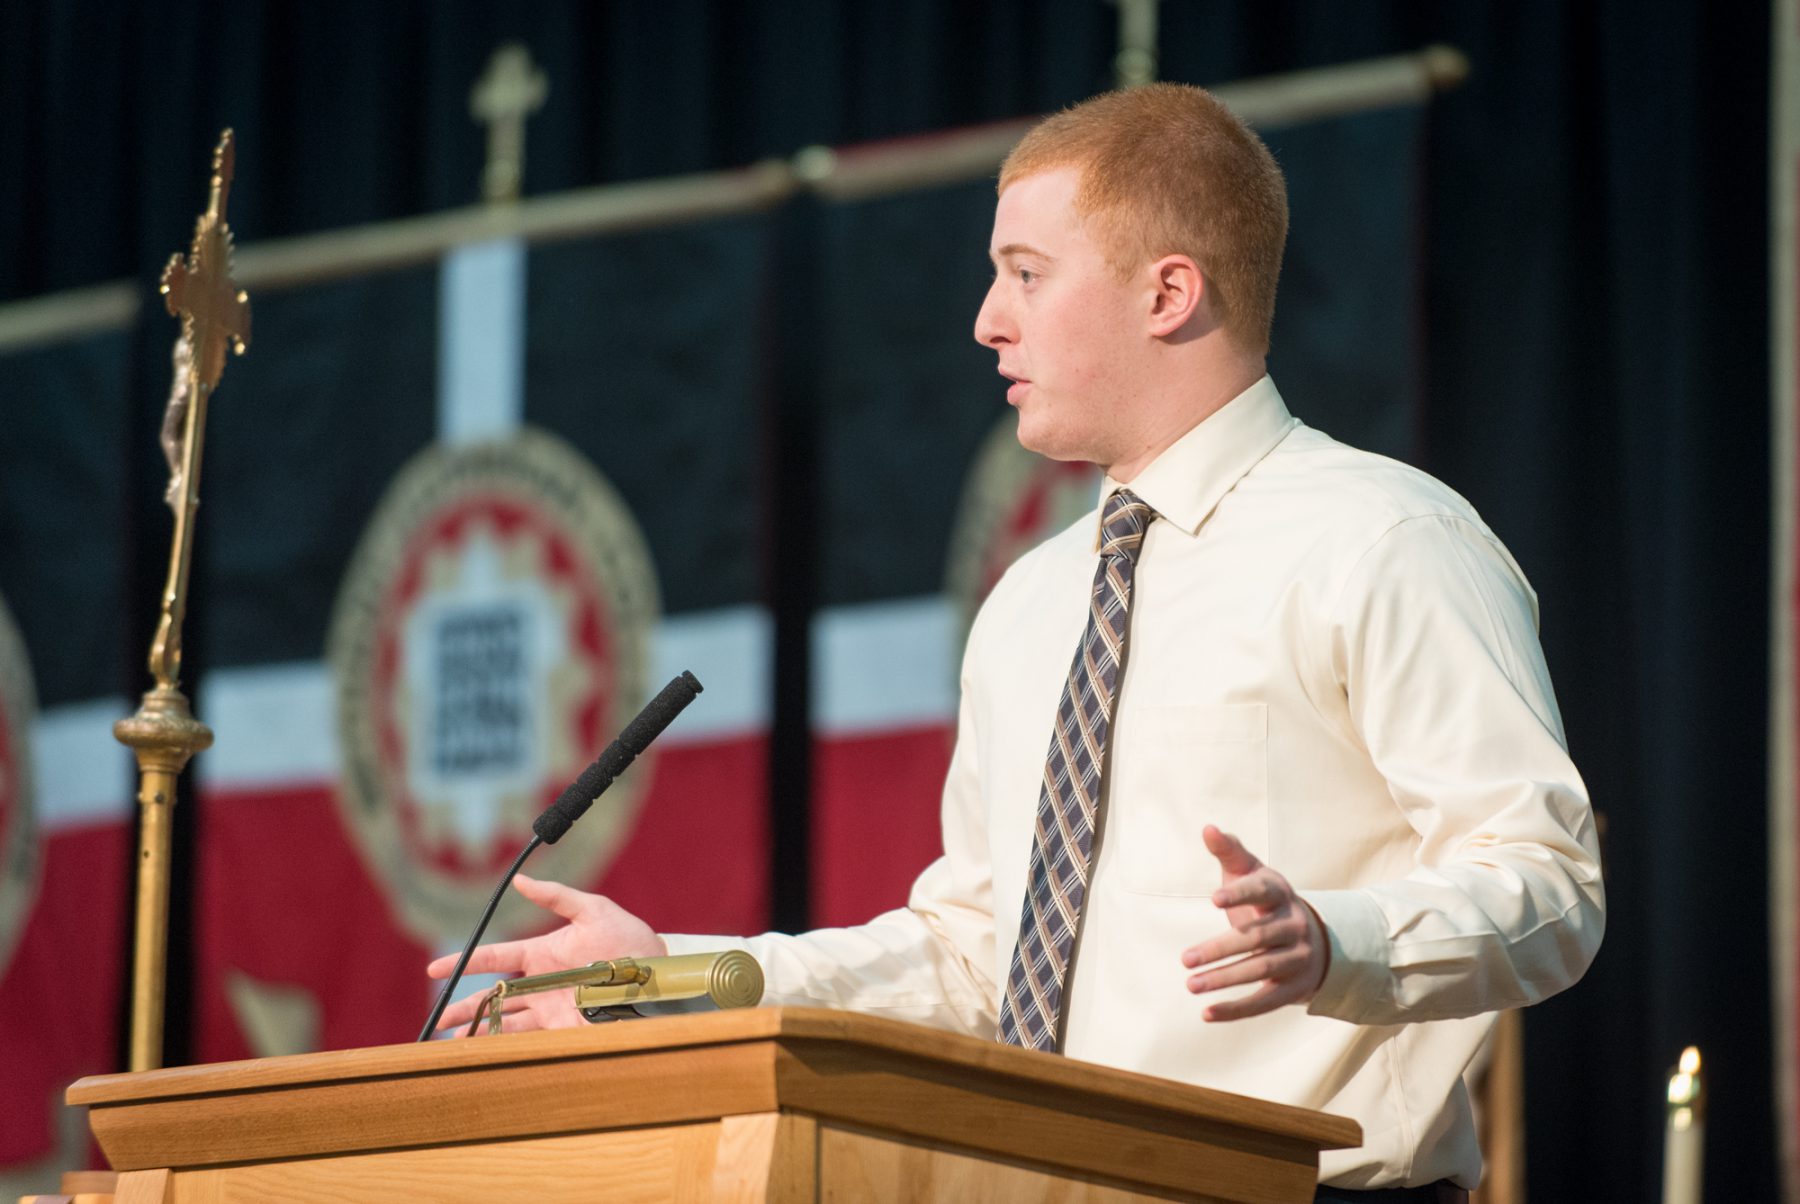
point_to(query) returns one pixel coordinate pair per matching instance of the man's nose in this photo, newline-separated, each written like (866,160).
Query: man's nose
(992,325)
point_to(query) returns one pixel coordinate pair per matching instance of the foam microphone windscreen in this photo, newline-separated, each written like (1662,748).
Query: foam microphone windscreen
(574,801)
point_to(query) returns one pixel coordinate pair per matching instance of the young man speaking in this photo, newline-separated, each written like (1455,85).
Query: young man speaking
(1259,779)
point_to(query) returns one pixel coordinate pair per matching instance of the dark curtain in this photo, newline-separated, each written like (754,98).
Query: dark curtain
(1596,350)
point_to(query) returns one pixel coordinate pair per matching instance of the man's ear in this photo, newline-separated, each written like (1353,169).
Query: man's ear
(1177,294)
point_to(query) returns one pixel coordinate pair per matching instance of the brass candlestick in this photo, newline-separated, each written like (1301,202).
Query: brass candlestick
(163,733)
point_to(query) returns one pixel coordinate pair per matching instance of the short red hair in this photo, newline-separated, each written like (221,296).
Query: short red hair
(1168,169)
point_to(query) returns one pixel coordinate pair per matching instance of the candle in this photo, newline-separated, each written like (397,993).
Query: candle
(1684,1138)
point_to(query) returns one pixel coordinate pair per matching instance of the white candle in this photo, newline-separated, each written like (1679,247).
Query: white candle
(1684,1138)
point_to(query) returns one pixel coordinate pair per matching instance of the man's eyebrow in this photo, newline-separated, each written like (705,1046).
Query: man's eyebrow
(1019,248)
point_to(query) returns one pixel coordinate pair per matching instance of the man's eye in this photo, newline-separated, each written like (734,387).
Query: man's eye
(1026,275)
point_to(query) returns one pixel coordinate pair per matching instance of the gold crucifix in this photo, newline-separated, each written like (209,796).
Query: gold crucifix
(215,314)
(511,90)
(1135,63)
(164,735)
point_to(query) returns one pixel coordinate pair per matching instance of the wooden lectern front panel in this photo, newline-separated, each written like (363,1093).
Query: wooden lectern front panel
(869,1168)
(673,1162)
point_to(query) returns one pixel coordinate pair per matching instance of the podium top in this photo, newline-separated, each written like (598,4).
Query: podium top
(839,1067)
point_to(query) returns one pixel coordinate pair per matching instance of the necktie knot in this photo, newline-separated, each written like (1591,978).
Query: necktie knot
(1123,522)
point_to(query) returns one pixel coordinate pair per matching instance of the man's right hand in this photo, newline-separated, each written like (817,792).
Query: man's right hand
(597,929)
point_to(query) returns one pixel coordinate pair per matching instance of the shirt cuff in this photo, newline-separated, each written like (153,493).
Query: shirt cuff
(1359,975)
(680,943)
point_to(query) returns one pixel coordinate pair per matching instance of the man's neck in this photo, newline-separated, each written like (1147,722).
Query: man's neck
(1199,399)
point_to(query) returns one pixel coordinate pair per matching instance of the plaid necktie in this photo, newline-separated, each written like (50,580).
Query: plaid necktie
(1064,838)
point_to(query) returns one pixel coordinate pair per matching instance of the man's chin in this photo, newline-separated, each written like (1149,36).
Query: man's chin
(1047,443)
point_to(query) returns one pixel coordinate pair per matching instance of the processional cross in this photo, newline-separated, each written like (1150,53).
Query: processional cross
(215,315)
(511,90)
(1135,64)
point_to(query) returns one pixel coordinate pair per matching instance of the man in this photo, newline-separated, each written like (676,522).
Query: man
(1306,819)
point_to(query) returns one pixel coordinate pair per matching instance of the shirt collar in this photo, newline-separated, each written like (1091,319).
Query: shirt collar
(1186,481)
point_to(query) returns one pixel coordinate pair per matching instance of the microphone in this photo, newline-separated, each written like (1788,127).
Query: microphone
(674,986)
(574,801)
(572,804)
(640,986)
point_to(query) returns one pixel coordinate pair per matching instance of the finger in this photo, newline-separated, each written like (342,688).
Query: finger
(1250,929)
(1232,974)
(502,957)
(1231,944)
(522,1023)
(483,957)
(1282,930)
(1260,889)
(510,957)
(1278,966)
(1233,857)
(1272,996)
(565,901)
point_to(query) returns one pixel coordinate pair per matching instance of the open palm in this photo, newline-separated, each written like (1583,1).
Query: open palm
(595,929)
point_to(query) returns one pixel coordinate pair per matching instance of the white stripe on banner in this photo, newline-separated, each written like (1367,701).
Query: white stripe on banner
(481,341)
(732,652)
(885,666)
(272,725)
(879,667)
(81,774)
(276,725)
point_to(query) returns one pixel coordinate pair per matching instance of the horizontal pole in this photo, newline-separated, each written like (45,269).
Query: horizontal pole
(1270,103)
(605,209)
(854,173)
(70,314)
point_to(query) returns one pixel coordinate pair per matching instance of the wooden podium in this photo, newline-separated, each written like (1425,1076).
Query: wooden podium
(766,1104)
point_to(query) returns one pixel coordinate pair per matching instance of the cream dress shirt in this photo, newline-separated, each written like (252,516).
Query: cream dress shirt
(1334,659)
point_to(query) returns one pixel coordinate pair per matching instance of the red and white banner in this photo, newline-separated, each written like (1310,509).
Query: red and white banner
(885,697)
(500,621)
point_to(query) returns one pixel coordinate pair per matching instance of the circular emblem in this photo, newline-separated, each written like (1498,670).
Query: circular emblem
(1012,501)
(490,637)
(18,828)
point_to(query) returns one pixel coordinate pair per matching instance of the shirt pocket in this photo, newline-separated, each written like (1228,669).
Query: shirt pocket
(1178,769)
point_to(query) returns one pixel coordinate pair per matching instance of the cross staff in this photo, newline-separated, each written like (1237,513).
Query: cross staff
(1135,63)
(214,314)
(511,90)
(164,735)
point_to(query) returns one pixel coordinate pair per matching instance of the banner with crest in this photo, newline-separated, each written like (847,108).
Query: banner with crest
(501,516)
(66,817)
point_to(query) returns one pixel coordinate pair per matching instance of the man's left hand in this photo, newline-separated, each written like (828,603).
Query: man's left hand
(1276,938)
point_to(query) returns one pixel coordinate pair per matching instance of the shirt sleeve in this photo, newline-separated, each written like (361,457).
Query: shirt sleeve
(1434,641)
(929,962)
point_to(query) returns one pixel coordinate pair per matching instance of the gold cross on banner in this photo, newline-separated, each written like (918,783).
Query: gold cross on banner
(511,90)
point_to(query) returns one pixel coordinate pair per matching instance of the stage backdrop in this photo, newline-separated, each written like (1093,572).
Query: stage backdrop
(460,520)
